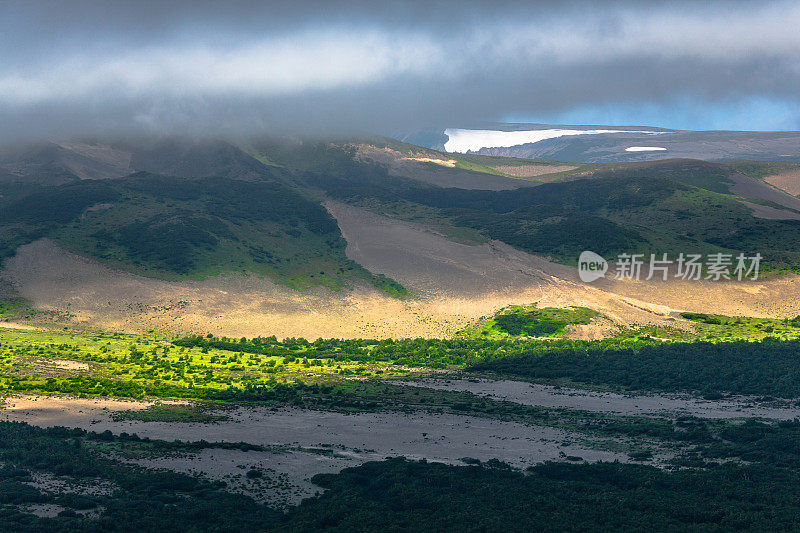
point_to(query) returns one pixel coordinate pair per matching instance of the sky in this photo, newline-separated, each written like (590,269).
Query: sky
(70,69)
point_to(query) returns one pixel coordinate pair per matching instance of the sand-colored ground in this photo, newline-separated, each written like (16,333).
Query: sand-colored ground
(768,297)
(453,285)
(17,325)
(303,442)
(69,411)
(234,305)
(488,275)
(97,161)
(451,163)
(747,187)
(771,213)
(786,181)
(349,440)
(417,167)
(532,171)
(608,402)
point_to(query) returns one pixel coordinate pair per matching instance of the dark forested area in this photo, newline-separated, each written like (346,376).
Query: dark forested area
(769,367)
(143,500)
(399,494)
(169,226)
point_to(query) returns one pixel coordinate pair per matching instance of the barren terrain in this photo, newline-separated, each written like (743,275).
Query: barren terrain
(786,181)
(303,442)
(609,402)
(771,213)
(452,286)
(748,187)
(532,171)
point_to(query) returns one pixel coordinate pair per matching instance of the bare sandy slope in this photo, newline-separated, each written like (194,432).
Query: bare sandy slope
(748,187)
(532,171)
(234,305)
(769,297)
(5,324)
(453,285)
(439,172)
(786,181)
(492,273)
(771,213)
(97,161)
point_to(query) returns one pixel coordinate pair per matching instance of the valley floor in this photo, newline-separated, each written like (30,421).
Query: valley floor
(294,444)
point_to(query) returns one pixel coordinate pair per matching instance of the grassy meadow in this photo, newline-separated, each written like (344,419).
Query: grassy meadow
(213,368)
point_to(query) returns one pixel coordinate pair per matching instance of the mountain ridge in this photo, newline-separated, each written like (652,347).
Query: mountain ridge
(714,145)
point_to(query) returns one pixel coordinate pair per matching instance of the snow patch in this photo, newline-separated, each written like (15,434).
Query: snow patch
(644,149)
(463,141)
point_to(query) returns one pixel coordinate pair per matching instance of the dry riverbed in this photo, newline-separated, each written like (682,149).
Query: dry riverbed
(304,442)
(608,402)
(300,443)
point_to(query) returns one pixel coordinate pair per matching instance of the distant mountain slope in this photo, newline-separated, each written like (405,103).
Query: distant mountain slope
(466,234)
(52,163)
(201,207)
(193,159)
(45,163)
(628,143)
(672,207)
(226,212)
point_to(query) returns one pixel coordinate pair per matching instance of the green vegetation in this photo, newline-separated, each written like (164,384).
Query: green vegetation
(388,285)
(214,368)
(699,492)
(714,177)
(531,321)
(550,497)
(219,368)
(762,169)
(264,215)
(300,155)
(229,212)
(13,307)
(770,367)
(191,227)
(658,333)
(491,161)
(160,412)
(726,328)
(266,218)
(137,366)
(138,500)
(715,474)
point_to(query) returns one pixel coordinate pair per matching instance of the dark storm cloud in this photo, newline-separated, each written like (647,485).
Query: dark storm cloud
(85,68)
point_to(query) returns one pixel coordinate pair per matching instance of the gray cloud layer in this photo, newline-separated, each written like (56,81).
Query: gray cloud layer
(248,67)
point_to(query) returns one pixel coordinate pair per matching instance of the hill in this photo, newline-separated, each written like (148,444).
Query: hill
(220,211)
(195,233)
(671,206)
